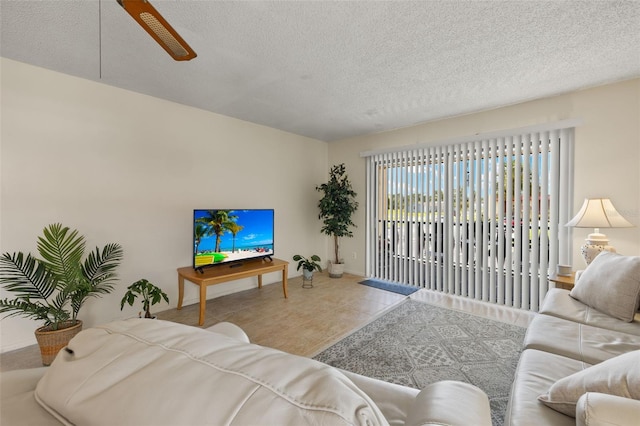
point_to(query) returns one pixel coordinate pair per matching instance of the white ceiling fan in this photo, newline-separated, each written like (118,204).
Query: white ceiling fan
(158,28)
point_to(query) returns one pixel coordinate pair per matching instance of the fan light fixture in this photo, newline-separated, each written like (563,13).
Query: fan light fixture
(158,28)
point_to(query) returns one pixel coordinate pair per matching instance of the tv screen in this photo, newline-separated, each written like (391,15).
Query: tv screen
(231,236)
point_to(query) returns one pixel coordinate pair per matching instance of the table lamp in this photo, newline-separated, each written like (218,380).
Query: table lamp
(597,213)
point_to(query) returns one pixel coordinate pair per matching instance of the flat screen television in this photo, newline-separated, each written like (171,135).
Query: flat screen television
(229,237)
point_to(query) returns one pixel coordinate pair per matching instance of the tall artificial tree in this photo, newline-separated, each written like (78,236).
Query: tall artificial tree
(337,206)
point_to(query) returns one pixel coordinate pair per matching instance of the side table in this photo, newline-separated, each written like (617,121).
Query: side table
(563,281)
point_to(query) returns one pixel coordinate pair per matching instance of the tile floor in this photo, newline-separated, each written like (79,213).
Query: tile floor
(305,323)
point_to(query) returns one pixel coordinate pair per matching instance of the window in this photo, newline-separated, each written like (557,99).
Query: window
(481,218)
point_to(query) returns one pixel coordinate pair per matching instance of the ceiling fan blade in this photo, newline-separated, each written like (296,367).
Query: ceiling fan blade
(158,28)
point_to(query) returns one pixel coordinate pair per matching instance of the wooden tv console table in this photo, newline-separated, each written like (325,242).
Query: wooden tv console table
(221,274)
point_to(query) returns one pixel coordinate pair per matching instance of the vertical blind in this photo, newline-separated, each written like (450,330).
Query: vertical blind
(481,218)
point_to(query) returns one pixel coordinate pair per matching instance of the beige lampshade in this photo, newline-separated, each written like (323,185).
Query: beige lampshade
(598,213)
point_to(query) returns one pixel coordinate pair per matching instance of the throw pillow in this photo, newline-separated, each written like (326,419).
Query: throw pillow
(618,376)
(611,284)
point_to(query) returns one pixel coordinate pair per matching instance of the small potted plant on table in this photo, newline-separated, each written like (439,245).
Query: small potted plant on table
(150,296)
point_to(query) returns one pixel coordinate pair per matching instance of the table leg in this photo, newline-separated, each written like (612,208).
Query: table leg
(260,281)
(203,303)
(180,290)
(285,272)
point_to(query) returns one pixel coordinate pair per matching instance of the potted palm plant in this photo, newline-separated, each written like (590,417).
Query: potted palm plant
(308,265)
(150,296)
(336,209)
(54,287)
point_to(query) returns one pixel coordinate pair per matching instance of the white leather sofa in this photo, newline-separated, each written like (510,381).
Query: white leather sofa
(573,348)
(146,372)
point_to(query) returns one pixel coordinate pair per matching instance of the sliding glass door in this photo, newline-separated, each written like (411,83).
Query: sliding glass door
(480,218)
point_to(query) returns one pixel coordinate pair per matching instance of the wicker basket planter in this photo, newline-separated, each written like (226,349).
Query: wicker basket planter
(51,341)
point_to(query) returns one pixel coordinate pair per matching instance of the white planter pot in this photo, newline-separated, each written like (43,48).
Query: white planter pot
(307,274)
(336,270)
(307,278)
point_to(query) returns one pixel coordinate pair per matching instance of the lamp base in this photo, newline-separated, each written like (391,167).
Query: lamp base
(590,250)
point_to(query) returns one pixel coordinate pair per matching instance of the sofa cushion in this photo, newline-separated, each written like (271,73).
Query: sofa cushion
(558,303)
(600,409)
(578,341)
(393,400)
(618,376)
(611,284)
(111,375)
(17,405)
(535,373)
(450,403)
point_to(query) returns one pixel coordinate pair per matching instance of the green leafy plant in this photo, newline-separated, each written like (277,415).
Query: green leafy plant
(337,206)
(308,264)
(150,295)
(54,287)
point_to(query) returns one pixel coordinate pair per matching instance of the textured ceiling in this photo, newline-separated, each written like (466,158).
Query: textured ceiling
(335,69)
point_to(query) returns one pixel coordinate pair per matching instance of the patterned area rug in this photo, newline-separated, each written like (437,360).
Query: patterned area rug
(417,344)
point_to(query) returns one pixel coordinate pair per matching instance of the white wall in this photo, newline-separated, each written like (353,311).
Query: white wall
(607,154)
(128,168)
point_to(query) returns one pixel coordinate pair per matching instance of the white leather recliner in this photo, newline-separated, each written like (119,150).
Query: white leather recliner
(156,372)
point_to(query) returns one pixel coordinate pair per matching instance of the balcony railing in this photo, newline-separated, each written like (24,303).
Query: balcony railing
(498,258)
